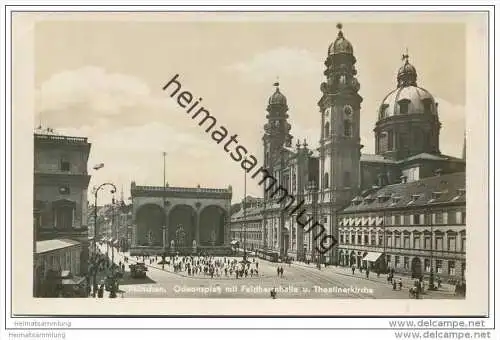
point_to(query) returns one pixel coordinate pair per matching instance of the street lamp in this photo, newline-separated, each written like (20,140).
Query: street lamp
(245,221)
(313,189)
(96,225)
(164,227)
(114,235)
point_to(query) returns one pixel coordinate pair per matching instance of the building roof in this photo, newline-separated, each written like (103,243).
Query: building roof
(375,159)
(371,158)
(431,157)
(251,214)
(55,244)
(429,191)
(60,139)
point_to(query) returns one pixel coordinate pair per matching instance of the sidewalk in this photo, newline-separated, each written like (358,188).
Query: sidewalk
(346,271)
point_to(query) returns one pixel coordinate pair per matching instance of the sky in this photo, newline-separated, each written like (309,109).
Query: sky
(103,80)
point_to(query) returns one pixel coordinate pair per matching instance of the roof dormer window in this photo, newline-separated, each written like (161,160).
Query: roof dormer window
(357,200)
(460,194)
(436,195)
(369,199)
(383,111)
(383,197)
(403,106)
(427,106)
(395,199)
(414,198)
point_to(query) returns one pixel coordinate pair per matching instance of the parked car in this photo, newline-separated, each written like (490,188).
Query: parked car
(138,270)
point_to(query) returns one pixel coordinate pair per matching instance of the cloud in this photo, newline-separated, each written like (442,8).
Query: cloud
(92,96)
(453,122)
(283,62)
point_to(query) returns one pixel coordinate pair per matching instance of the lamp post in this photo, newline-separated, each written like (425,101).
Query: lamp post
(313,189)
(114,235)
(164,226)
(96,225)
(245,221)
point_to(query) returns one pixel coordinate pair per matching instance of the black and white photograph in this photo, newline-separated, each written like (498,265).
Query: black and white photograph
(250,159)
(350,185)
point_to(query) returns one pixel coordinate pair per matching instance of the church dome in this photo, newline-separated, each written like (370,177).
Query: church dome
(277,98)
(341,45)
(408,98)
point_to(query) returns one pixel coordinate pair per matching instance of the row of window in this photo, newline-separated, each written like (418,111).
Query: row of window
(404,105)
(438,268)
(249,235)
(346,180)
(68,260)
(347,128)
(403,262)
(437,218)
(418,242)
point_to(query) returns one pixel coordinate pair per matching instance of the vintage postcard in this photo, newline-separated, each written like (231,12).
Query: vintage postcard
(242,162)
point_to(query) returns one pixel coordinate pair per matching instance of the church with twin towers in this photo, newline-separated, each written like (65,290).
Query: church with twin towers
(336,179)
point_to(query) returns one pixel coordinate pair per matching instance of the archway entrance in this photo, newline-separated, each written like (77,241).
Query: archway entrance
(416,268)
(181,226)
(150,219)
(212,220)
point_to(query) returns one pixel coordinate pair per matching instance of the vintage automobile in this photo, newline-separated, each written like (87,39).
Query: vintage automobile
(138,270)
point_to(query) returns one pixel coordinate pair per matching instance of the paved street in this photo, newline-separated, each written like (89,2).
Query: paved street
(298,281)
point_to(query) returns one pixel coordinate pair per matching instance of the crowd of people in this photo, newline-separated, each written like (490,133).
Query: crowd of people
(208,266)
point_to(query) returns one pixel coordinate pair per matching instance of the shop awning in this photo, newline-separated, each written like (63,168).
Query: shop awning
(372,256)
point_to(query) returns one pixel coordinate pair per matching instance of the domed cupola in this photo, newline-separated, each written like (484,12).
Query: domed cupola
(407,74)
(407,98)
(341,45)
(277,98)
(408,122)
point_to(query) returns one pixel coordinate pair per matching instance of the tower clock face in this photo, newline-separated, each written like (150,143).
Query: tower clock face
(348,110)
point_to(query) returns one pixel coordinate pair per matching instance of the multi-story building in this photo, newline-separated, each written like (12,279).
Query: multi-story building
(246,224)
(60,191)
(414,228)
(328,177)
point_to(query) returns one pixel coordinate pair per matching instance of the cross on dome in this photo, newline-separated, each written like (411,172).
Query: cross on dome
(405,56)
(339,27)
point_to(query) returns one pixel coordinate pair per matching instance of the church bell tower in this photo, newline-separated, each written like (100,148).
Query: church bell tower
(340,148)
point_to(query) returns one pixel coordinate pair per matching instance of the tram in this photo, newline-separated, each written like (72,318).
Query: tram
(268,255)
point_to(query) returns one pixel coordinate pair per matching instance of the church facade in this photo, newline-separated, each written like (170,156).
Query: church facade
(330,176)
